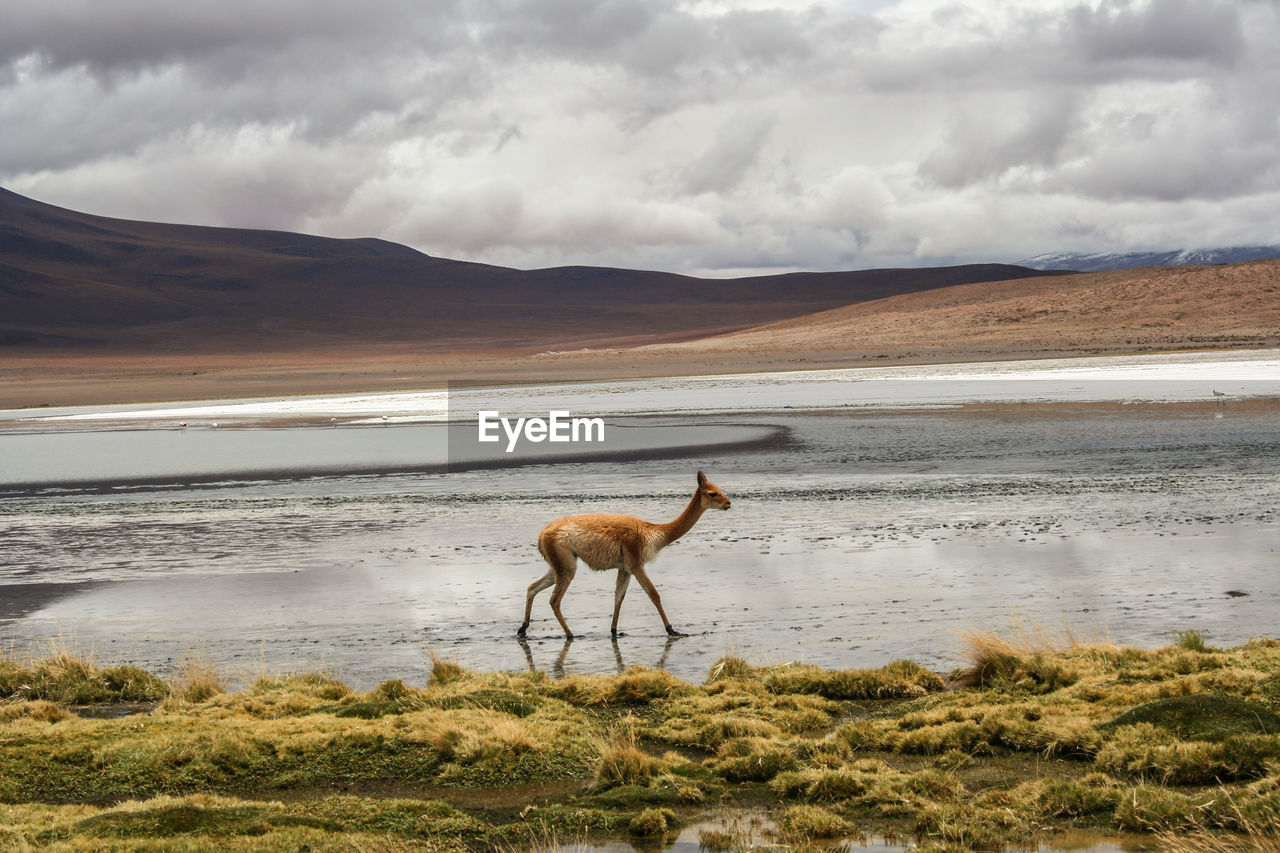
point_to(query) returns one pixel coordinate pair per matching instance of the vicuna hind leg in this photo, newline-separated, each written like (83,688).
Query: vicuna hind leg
(565,570)
(564,565)
(534,588)
(619,592)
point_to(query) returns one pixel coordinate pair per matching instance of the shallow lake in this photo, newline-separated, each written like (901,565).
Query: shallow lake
(858,534)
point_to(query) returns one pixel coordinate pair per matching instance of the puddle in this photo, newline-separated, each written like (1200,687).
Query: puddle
(741,831)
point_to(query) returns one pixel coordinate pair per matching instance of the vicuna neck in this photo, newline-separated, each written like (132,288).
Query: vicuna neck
(685,521)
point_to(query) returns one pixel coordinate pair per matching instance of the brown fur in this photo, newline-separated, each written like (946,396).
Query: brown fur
(607,541)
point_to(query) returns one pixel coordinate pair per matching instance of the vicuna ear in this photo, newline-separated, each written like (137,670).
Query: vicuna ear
(702,479)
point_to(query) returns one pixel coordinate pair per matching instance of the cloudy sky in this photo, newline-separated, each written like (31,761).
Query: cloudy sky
(707,136)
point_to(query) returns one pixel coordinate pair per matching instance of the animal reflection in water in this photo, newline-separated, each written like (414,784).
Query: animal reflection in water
(607,541)
(558,667)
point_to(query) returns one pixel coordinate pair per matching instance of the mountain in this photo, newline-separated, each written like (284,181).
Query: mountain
(1118,310)
(81,283)
(1103,261)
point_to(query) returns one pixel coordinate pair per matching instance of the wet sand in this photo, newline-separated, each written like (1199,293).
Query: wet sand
(18,600)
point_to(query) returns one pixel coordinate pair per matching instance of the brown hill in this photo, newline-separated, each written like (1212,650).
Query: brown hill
(76,283)
(1121,310)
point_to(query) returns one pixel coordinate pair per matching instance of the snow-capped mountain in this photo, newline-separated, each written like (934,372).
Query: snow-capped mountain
(1100,261)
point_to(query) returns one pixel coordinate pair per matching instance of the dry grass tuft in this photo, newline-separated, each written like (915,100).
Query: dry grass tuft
(198,679)
(1024,636)
(900,679)
(717,841)
(391,690)
(622,762)
(1029,655)
(445,671)
(639,685)
(1259,833)
(653,822)
(40,710)
(68,677)
(805,823)
(729,667)
(1192,641)
(753,759)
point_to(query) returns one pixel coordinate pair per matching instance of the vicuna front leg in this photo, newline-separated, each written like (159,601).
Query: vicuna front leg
(652,591)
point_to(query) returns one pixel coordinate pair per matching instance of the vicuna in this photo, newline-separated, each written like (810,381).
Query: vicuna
(610,541)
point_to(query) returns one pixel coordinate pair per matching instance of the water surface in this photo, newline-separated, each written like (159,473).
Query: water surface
(854,539)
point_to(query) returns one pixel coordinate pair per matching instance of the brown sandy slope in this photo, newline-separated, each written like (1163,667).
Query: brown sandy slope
(1123,310)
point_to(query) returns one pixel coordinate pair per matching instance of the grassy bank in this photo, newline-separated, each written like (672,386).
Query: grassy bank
(1031,739)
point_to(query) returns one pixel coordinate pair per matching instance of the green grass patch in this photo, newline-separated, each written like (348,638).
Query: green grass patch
(1202,717)
(1034,737)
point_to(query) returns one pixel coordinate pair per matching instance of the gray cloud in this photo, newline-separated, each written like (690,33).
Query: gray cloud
(990,143)
(126,35)
(699,135)
(1199,31)
(732,153)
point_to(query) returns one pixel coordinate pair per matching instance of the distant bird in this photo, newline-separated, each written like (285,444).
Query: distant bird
(1220,396)
(333,421)
(182,424)
(384,420)
(215,424)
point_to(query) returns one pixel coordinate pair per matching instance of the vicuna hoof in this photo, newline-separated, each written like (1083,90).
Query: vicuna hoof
(672,632)
(520,631)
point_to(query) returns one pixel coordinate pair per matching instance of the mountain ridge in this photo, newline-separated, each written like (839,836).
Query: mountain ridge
(73,280)
(1104,261)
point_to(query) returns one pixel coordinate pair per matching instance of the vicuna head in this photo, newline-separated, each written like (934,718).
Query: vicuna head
(712,497)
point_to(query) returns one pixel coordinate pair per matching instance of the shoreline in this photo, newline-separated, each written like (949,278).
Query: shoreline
(35,379)
(21,599)
(768,435)
(1187,376)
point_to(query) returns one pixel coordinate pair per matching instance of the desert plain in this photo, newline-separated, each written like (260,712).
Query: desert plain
(1123,311)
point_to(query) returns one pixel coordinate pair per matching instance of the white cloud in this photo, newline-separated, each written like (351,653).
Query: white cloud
(700,135)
